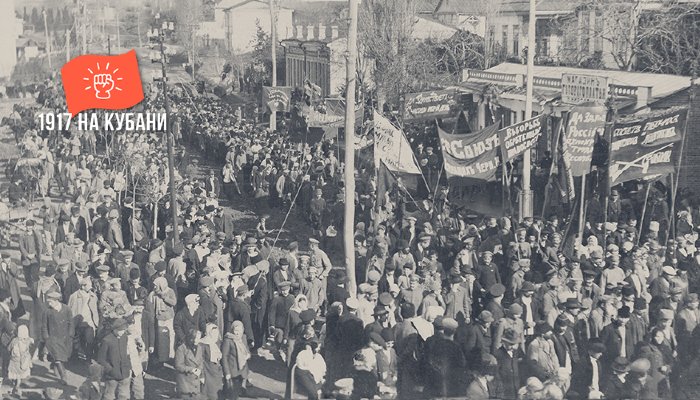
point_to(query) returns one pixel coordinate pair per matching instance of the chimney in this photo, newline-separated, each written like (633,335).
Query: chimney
(310,33)
(300,32)
(321,32)
(334,32)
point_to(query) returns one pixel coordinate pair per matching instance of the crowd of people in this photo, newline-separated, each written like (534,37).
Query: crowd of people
(449,303)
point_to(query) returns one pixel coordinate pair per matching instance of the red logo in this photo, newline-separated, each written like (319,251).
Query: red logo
(104,82)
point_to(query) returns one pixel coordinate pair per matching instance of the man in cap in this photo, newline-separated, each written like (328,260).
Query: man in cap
(481,388)
(210,303)
(319,258)
(661,286)
(612,273)
(487,273)
(614,384)
(114,358)
(133,288)
(541,355)
(279,311)
(458,300)
(475,338)
(409,233)
(259,299)
(124,265)
(282,274)
(114,231)
(352,336)
(239,310)
(636,382)
(73,281)
(403,257)
(687,319)
(57,332)
(495,294)
(31,247)
(508,354)
(445,363)
(531,306)
(512,321)
(317,205)
(617,337)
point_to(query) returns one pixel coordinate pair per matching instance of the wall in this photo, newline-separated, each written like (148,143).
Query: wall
(8,37)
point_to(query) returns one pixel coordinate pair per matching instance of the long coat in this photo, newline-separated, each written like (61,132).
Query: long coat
(508,372)
(58,331)
(582,378)
(473,340)
(229,358)
(187,359)
(613,342)
(213,374)
(444,366)
(113,357)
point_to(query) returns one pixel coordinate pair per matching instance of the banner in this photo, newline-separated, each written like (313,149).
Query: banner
(391,147)
(645,146)
(522,136)
(585,123)
(471,156)
(430,105)
(277,98)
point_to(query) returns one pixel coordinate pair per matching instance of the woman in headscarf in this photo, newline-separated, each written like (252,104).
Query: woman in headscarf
(235,356)
(213,374)
(311,370)
(189,364)
(294,322)
(161,302)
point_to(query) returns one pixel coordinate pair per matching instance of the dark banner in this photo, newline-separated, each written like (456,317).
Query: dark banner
(277,98)
(471,156)
(585,123)
(522,136)
(430,105)
(645,146)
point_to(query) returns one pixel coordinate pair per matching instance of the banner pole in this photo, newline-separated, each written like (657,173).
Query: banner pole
(691,98)
(582,213)
(555,153)
(644,211)
(609,136)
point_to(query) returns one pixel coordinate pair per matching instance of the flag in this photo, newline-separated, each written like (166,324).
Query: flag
(385,183)
(470,157)
(104,82)
(391,147)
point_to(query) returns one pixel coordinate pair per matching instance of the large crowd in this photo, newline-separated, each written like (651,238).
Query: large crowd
(449,303)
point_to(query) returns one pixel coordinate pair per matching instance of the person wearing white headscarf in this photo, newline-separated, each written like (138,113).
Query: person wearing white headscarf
(235,357)
(161,302)
(212,370)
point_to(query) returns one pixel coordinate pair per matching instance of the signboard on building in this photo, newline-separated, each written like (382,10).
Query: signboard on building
(577,89)
(430,105)
(646,146)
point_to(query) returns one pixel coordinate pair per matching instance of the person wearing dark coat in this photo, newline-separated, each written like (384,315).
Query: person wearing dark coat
(338,292)
(612,337)
(475,339)
(258,302)
(234,359)
(588,376)
(279,310)
(189,318)
(239,310)
(508,356)
(7,332)
(57,332)
(352,335)
(113,357)
(494,305)
(614,384)
(72,283)
(444,364)
(189,364)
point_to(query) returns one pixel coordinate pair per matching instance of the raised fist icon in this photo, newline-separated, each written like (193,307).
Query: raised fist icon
(103,84)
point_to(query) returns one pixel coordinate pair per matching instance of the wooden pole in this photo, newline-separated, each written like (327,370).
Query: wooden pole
(273,40)
(526,201)
(350,79)
(581,212)
(644,211)
(67,45)
(48,41)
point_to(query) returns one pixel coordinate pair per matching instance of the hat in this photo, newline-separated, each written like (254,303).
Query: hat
(377,338)
(589,273)
(596,346)
(134,273)
(515,309)
(53,296)
(284,285)
(497,289)
(640,366)
(127,253)
(572,302)
(669,270)
(527,287)
(307,316)
(449,323)
(206,281)
(665,314)
(654,226)
(242,290)
(542,327)
(373,277)
(53,393)
(640,304)
(102,268)
(692,298)
(486,316)
(623,312)
(554,281)
(510,336)
(676,290)
(380,311)
(344,384)
(352,303)
(385,299)
(160,266)
(119,323)
(614,192)
(424,236)
(283,261)
(80,266)
(620,364)
(314,241)
(411,218)
(456,279)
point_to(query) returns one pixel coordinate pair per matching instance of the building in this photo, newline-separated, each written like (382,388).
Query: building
(236,23)
(466,15)
(307,60)
(10,29)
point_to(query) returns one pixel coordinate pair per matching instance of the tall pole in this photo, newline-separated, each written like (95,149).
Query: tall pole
(169,136)
(138,27)
(68,45)
(273,40)
(351,75)
(48,40)
(119,39)
(83,24)
(526,200)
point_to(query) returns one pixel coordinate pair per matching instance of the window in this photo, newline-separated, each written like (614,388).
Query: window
(516,40)
(504,42)
(585,25)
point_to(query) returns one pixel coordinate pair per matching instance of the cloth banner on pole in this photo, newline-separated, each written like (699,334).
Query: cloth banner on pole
(585,123)
(391,147)
(646,146)
(277,98)
(518,138)
(471,156)
(430,105)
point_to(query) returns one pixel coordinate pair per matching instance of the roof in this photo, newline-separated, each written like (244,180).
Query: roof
(426,6)
(470,7)
(426,28)
(231,4)
(543,6)
(661,85)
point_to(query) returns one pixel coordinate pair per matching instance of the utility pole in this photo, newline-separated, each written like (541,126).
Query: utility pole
(526,196)
(119,39)
(109,45)
(273,40)
(169,136)
(350,80)
(138,26)
(68,45)
(48,40)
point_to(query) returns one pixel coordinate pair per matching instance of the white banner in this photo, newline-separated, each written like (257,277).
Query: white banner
(391,146)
